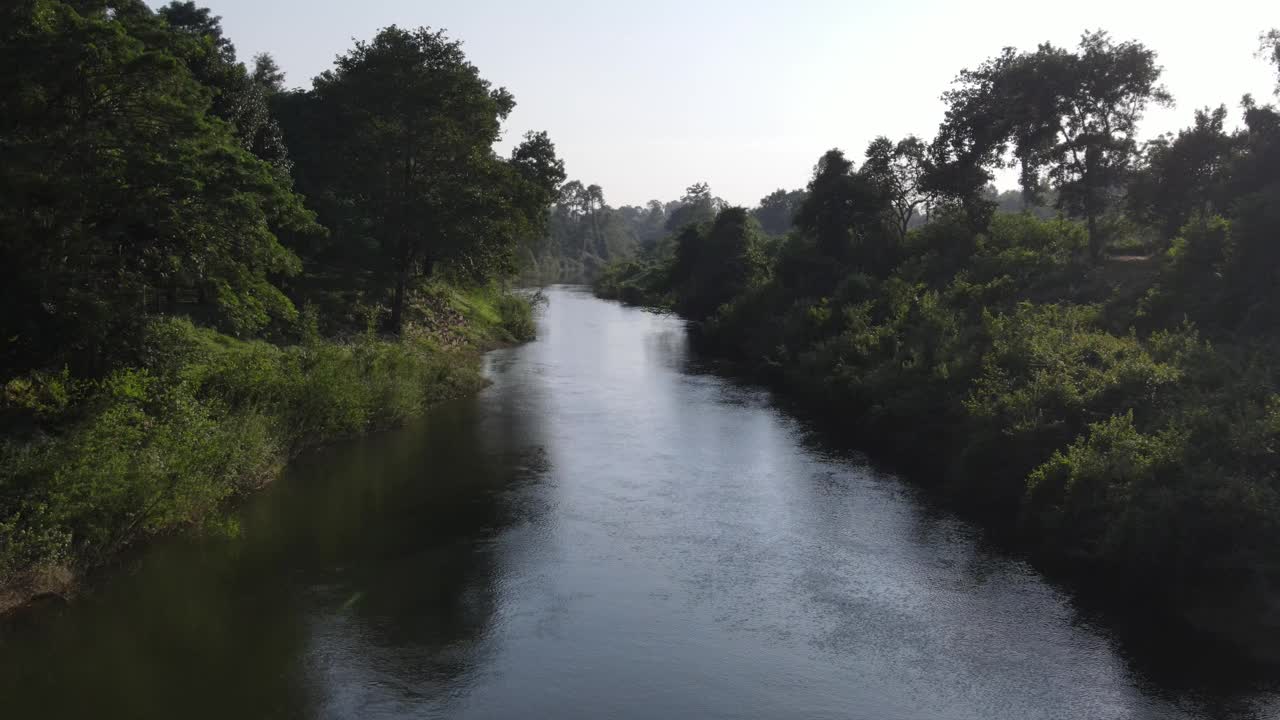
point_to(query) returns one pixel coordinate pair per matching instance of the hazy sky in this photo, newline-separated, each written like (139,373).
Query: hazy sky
(645,98)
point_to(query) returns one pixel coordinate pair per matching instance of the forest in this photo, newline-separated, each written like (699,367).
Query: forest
(202,271)
(1088,364)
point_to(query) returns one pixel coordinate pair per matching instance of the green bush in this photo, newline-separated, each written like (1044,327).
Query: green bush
(1082,501)
(645,281)
(204,418)
(517,317)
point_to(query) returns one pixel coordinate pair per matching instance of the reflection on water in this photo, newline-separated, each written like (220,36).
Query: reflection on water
(604,532)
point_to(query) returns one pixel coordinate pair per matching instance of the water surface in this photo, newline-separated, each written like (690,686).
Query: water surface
(608,531)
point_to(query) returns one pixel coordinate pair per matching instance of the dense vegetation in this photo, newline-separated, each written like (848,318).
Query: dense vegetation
(586,236)
(202,272)
(1099,382)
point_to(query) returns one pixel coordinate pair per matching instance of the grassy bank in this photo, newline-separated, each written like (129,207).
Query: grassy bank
(89,468)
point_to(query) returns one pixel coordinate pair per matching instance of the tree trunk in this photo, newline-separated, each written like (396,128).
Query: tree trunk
(597,241)
(1095,233)
(398,300)
(1093,203)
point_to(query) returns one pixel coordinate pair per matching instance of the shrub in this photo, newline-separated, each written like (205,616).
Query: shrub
(1080,500)
(204,418)
(517,317)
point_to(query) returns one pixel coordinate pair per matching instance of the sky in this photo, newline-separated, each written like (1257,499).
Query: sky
(647,98)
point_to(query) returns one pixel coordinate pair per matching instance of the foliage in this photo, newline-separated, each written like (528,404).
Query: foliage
(395,143)
(165,210)
(121,195)
(715,262)
(637,282)
(844,213)
(585,234)
(205,418)
(1117,416)
(153,363)
(1183,175)
(1069,118)
(777,210)
(899,170)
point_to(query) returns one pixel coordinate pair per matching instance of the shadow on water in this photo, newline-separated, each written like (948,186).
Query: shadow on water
(367,551)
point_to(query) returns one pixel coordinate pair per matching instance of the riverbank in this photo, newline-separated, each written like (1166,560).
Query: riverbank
(1059,405)
(608,508)
(92,468)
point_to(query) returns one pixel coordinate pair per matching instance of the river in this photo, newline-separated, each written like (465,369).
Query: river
(610,530)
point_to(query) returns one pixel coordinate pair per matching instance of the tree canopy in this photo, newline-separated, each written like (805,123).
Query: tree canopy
(396,143)
(1069,118)
(123,191)
(1096,379)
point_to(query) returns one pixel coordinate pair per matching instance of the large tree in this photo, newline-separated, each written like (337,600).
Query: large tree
(267,73)
(586,202)
(241,98)
(399,139)
(900,170)
(716,262)
(697,206)
(1069,118)
(1251,274)
(844,214)
(1185,174)
(119,195)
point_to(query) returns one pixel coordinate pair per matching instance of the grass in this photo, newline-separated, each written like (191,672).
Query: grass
(94,466)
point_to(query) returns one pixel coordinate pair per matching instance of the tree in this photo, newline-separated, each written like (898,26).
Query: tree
(1269,48)
(1070,118)
(536,162)
(195,36)
(777,210)
(593,202)
(1224,264)
(584,233)
(844,214)
(697,206)
(267,73)
(120,196)
(187,18)
(647,223)
(1016,201)
(526,186)
(715,263)
(899,169)
(582,202)
(1184,175)
(405,127)
(1251,273)
(653,225)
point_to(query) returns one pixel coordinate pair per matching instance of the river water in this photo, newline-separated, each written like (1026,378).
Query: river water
(608,531)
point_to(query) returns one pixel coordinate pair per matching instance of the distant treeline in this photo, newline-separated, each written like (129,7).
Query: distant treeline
(202,271)
(585,234)
(1098,380)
